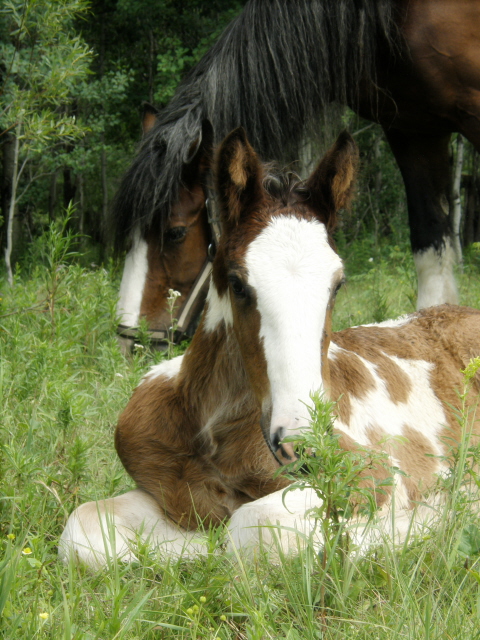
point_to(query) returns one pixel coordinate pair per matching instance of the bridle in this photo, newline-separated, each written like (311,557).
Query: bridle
(193,304)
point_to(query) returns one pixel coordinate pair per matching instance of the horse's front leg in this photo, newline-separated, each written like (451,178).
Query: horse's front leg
(424,163)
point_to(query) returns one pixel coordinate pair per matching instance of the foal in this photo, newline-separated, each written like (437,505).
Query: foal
(191,435)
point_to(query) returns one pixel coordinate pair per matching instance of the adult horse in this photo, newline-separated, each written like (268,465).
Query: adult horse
(411,65)
(191,435)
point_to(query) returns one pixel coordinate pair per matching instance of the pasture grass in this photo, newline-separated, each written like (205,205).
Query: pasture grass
(63,381)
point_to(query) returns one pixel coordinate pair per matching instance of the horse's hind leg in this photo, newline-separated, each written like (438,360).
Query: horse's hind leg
(424,164)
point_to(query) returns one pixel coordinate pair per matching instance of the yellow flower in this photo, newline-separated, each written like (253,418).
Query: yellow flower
(43,616)
(11,536)
(27,551)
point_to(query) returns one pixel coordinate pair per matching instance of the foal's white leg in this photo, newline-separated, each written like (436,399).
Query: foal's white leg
(275,522)
(270,525)
(96,530)
(436,278)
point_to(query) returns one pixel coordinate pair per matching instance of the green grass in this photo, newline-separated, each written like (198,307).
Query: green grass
(63,382)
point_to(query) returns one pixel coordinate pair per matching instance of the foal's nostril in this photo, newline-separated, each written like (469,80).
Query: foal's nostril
(277,438)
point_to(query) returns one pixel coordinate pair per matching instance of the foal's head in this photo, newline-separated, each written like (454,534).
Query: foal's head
(275,274)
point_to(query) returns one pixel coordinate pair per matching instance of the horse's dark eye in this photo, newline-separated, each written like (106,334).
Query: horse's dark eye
(176,234)
(237,287)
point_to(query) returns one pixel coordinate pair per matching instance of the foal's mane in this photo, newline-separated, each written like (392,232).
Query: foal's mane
(273,71)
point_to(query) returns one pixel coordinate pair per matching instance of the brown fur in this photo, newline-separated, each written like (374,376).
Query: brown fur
(195,475)
(173,265)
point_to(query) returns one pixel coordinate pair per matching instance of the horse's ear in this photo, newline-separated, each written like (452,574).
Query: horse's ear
(330,187)
(149,117)
(238,176)
(198,159)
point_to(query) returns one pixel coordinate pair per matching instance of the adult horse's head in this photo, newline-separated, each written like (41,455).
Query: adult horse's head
(276,273)
(169,250)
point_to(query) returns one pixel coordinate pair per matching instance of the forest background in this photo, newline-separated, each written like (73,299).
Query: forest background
(74,75)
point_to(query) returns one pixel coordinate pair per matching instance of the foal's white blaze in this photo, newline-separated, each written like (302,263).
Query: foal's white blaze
(292,269)
(133,282)
(436,278)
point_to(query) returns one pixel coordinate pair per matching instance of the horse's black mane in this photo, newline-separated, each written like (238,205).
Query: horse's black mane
(273,71)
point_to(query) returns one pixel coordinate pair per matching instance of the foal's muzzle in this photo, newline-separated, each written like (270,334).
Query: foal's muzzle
(283,451)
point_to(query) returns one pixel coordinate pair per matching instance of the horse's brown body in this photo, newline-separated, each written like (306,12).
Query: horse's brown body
(434,88)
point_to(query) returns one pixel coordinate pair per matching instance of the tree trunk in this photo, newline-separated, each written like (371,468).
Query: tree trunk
(456,199)
(8,149)
(11,208)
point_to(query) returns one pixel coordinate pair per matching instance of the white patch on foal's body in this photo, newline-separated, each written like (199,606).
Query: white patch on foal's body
(218,309)
(390,324)
(133,283)
(377,409)
(293,287)
(167,369)
(436,279)
(110,528)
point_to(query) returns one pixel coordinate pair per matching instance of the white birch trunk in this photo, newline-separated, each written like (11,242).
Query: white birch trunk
(457,202)
(11,209)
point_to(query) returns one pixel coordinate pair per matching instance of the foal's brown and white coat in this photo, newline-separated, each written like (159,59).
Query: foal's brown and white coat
(191,435)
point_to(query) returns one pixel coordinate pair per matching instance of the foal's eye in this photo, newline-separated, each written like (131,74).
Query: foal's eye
(176,234)
(237,287)
(337,288)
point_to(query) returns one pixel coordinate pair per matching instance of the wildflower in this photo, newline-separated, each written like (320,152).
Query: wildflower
(190,611)
(44,615)
(27,551)
(195,608)
(118,375)
(11,536)
(370,259)
(202,599)
(173,295)
(223,618)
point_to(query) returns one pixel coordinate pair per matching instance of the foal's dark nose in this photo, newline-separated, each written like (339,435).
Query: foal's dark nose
(277,438)
(284,452)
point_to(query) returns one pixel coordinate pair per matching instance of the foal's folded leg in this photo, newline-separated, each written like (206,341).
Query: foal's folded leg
(98,531)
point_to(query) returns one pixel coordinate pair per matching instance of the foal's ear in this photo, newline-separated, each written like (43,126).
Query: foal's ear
(238,176)
(331,185)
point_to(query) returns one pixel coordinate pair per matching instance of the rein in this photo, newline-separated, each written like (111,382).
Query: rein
(195,299)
